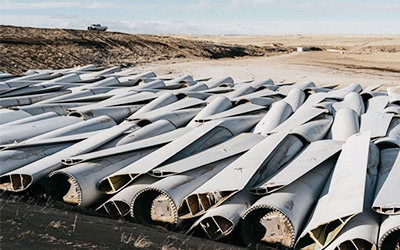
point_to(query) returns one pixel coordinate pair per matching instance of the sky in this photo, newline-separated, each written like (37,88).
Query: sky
(209,17)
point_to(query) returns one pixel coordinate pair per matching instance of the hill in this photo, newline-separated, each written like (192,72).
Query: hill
(24,48)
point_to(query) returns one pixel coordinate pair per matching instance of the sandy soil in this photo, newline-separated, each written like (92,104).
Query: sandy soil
(367,60)
(323,68)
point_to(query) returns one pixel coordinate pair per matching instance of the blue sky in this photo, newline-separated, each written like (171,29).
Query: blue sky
(210,17)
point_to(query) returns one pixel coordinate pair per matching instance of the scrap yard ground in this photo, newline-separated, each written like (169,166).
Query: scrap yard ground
(370,60)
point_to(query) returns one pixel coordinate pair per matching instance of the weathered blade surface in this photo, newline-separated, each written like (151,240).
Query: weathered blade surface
(377,122)
(224,81)
(256,94)
(179,118)
(377,104)
(386,201)
(21,178)
(87,96)
(295,98)
(312,156)
(343,196)
(39,108)
(9,115)
(361,232)
(12,159)
(157,203)
(278,113)
(392,139)
(76,185)
(262,101)
(238,92)
(301,116)
(259,163)
(369,91)
(346,123)
(235,111)
(49,141)
(237,145)
(35,128)
(352,101)
(156,128)
(117,113)
(92,125)
(174,106)
(217,105)
(276,220)
(148,142)
(341,93)
(130,98)
(188,141)
(240,172)
(28,99)
(314,130)
(285,90)
(314,100)
(28,119)
(159,102)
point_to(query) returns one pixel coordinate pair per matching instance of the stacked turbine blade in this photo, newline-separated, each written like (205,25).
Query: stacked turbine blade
(291,165)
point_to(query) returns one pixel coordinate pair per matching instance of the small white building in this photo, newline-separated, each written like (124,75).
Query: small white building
(303,49)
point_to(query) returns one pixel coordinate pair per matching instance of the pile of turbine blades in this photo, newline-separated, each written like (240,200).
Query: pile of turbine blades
(282,165)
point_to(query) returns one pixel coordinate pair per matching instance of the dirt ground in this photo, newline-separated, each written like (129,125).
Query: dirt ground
(334,59)
(33,223)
